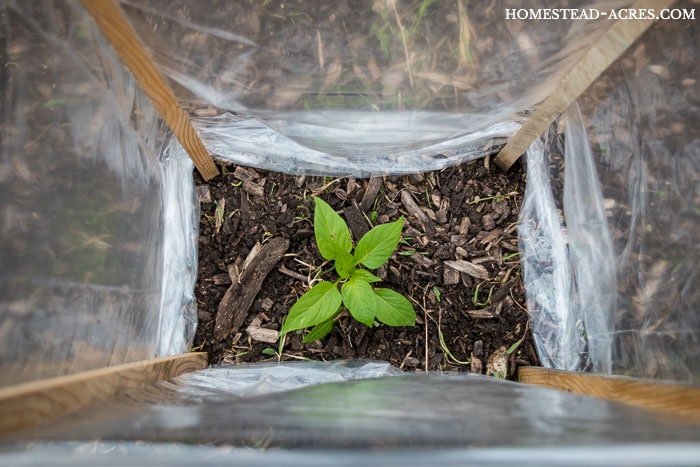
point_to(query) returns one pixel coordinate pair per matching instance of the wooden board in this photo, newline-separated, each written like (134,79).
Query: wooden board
(116,27)
(28,404)
(599,57)
(675,399)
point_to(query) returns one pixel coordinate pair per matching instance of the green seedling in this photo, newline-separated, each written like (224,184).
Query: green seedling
(511,256)
(476,300)
(498,198)
(353,289)
(436,292)
(373,217)
(515,346)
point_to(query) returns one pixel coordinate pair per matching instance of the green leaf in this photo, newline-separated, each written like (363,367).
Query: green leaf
(394,309)
(320,331)
(376,246)
(319,304)
(331,232)
(360,300)
(436,292)
(365,275)
(344,263)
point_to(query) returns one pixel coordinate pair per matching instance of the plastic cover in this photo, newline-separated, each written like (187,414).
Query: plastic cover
(96,219)
(360,405)
(358,88)
(617,289)
(101,453)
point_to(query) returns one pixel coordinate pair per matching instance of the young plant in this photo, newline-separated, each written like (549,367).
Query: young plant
(353,289)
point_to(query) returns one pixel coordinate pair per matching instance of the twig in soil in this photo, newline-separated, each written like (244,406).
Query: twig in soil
(517,303)
(443,344)
(233,308)
(416,212)
(475,270)
(371,192)
(315,271)
(294,274)
(297,357)
(503,291)
(478,314)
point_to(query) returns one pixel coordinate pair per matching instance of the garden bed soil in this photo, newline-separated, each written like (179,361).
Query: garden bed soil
(458,263)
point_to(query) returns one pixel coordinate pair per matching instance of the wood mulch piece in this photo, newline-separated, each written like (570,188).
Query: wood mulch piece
(458,263)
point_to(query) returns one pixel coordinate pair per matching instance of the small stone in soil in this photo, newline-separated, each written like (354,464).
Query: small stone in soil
(488,222)
(204,194)
(450,276)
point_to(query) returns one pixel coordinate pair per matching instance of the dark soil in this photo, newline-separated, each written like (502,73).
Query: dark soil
(465,213)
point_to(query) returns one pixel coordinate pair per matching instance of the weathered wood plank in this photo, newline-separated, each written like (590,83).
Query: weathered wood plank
(116,27)
(676,399)
(29,404)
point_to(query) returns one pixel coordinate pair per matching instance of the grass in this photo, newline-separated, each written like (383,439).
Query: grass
(476,300)
(430,66)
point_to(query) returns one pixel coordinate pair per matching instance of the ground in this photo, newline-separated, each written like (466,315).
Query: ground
(458,263)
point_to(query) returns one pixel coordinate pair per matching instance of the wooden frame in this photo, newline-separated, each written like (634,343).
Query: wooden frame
(682,401)
(598,58)
(28,404)
(116,27)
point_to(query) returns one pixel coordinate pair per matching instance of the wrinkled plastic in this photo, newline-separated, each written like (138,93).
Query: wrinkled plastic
(362,409)
(358,88)
(93,224)
(568,254)
(554,319)
(98,236)
(613,284)
(177,320)
(117,454)
(268,378)
(101,453)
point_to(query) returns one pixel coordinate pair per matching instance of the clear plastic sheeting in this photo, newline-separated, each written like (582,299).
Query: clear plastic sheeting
(373,412)
(232,137)
(555,319)
(168,454)
(83,196)
(178,308)
(617,289)
(268,378)
(359,88)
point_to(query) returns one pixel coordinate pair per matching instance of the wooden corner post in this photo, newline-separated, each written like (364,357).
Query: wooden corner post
(116,27)
(600,56)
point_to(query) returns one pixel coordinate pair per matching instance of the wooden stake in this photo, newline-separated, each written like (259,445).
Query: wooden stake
(675,399)
(599,57)
(28,404)
(116,27)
